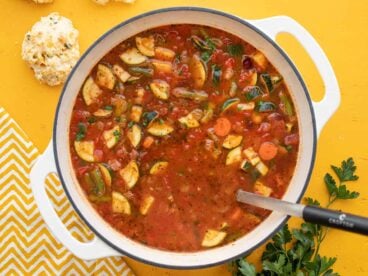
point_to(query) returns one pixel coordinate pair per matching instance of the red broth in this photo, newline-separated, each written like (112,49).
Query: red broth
(170,124)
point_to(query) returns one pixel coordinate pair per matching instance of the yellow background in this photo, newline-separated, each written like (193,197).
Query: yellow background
(339,26)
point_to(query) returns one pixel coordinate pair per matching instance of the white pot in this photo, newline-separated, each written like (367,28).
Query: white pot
(260,33)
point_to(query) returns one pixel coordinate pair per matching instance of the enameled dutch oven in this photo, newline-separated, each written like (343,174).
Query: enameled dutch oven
(260,33)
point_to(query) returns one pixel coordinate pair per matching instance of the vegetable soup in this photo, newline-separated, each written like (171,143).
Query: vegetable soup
(170,124)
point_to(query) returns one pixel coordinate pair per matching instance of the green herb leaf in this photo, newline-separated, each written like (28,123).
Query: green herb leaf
(344,193)
(277,266)
(82,129)
(246,268)
(235,49)
(117,135)
(206,56)
(347,170)
(311,201)
(108,107)
(330,184)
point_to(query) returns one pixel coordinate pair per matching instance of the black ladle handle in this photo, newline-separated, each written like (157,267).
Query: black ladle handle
(336,219)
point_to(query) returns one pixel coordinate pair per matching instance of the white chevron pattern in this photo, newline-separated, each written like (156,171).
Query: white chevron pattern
(26,245)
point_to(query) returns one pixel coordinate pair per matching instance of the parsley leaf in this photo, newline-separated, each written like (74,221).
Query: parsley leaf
(246,268)
(117,135)
(235,49)
(82,129)
(311,201)
(347,170)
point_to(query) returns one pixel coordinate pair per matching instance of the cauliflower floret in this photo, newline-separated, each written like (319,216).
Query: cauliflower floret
(104,2)
(51,48)
(43,1)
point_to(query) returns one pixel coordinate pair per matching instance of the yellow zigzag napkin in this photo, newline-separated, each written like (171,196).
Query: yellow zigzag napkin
(26,245)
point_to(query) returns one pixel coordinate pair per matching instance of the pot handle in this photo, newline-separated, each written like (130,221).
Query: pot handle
(44,165)
(323,109)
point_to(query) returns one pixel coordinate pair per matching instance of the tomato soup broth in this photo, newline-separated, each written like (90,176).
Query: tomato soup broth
(170,124)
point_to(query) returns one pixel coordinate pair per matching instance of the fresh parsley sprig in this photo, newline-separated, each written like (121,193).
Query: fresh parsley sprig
(296,252)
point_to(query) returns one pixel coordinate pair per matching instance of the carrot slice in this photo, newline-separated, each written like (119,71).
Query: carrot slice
(148,141)
(222,127)
(267,150)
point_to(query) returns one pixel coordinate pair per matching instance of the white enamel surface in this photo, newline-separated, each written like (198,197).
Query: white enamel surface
(159,257)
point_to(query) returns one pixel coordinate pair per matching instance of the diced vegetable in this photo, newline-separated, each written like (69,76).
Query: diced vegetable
(289,127)
(85,150)
(197,95)
(265,106)
(99,188)
(121,105)
(162,66)
(198,72)
(105,174)
(260,60)
(252,93)
(133,57)
(148,141)
(261,189)
(149,117)
(189,121)
(136,113)
(146,45)
(233,88)
(201,44)
(232,102)
(252,156)
(213,238)
(288,108)
(146,204)
(105,76)
(216,74)
(120,204)
(246,165)
(121,73)
(130,174)
(134,135)
(164,53)
(267,150)
(160,129)
(133,79)
(145,71)
(262,168)
(234,156)
(222,126)
(208,113)
(245,106)
(158,167)
(197,113)
(112,136)
(160,89)
(82,130)
(102,113)
(91,91)
(267,82)
(231,141)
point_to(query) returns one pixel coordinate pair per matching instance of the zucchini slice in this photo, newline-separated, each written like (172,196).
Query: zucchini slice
(98,181)
(146,204)
(105,77)
(91,91)
(160,129)
(158,167)
(261,189)
(262,168)
(112,136)
(196,95)
(134,135)
(162,66)
(130,174)
(252,156)
(245,165)
(164,53)
(253,92)
(85,150)
(149,117)
(121,73)
(246,106)
(229,103)
(198,71)
(136,113)
(120,204)
(213,238)
(105,174)
(234,156)
(265,106)
(267,82)
(133,57)
(189,121)
(147,72)
(260,60)
(146,45)
(160,89)
(208,113)
(102,113)
(231,141)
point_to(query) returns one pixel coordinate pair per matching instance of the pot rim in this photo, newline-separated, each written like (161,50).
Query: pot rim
(209,11)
